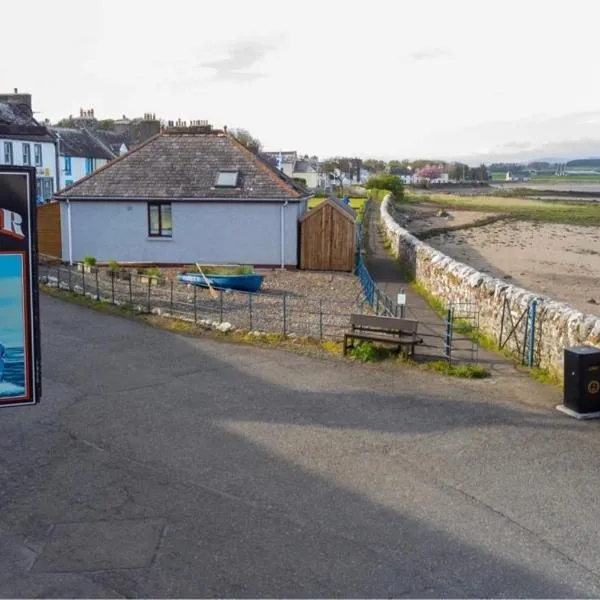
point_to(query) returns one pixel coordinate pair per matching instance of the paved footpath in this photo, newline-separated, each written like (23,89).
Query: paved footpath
(391,279)
(160,465)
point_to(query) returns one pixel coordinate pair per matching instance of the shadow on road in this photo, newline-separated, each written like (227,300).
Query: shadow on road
(272,474)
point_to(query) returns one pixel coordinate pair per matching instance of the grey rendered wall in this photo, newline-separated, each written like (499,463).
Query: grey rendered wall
(206,232)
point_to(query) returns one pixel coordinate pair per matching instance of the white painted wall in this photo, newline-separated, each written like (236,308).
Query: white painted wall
(48,167)
(207,232)
(77,169)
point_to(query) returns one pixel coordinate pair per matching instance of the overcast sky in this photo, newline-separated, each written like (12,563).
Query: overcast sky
(384,79)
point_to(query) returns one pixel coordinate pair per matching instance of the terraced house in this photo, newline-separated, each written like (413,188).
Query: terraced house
(24,141)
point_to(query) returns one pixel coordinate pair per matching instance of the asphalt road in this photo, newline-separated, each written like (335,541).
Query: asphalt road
(166,466)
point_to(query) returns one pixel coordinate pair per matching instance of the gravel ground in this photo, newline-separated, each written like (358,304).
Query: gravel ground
(315,304)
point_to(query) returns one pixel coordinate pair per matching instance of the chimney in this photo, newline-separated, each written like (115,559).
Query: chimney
(22,100)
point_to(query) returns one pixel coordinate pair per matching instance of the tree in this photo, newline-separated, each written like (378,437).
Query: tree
(68,122)
(106,124)
(422,163)
(429,172)
(246,138)
(337,168)
(374,165)
(479,173)
(458,171)
(398,164)
(385,181)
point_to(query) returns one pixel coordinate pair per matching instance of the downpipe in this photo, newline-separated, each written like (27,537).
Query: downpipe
(283,206)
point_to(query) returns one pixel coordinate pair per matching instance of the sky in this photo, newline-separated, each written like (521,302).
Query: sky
(462,80)
(12,333)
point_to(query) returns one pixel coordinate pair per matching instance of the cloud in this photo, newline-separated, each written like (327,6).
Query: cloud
(242,56)
(430,54)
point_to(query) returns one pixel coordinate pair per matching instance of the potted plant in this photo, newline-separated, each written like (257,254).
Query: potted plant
(88,265)
(151,275)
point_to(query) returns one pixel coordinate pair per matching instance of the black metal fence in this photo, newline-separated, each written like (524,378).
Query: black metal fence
(283,313)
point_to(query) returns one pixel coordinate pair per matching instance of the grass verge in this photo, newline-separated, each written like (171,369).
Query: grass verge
(518,208)
(369,352)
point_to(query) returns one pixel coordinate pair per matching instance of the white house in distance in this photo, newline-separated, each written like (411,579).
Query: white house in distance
(190,194)
(81,153)
(25,142)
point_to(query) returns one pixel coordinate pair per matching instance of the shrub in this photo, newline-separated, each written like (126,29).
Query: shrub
(153,272)
(90,261)
(113,265)
(367,352)
(385,181)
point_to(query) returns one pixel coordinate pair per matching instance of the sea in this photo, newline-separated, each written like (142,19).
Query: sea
(13,382)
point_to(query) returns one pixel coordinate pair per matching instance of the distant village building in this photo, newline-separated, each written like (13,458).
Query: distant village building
(26,142)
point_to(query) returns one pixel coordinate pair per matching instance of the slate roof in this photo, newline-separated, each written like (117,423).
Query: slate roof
(81,143)
(17,122)
(113,140)
(304,166)
(176,166)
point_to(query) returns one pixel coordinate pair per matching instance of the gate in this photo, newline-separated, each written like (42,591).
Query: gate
(525,338)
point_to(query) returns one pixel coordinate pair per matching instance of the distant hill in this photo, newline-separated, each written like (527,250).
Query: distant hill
(588,163)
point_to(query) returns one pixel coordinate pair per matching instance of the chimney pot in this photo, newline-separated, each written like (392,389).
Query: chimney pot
(16,90)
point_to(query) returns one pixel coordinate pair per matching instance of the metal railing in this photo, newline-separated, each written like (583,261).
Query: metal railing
(282,313)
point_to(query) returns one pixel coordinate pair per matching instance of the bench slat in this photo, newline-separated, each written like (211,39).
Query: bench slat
(387,323)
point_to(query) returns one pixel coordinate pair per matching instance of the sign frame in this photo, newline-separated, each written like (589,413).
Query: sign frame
(20,354)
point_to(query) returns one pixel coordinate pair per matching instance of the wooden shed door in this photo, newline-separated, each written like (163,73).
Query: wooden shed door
(48,227)
(328,241)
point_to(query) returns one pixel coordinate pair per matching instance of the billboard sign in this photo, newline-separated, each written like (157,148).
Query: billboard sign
(20,367)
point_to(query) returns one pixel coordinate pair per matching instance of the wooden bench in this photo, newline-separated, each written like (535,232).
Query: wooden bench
(388,330)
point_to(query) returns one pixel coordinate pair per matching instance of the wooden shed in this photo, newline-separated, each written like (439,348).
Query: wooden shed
(328,237)
(48,228)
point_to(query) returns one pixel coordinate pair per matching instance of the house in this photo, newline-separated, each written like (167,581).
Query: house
(405,173)
(285,161)
(24,141)
(81,153)
(518,175)
(309,171)
(117,142)
(443,178)
(187,194)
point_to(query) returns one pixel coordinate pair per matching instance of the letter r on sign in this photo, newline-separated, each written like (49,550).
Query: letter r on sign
(11,224)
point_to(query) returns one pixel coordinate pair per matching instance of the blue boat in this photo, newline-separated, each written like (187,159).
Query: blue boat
(242,283)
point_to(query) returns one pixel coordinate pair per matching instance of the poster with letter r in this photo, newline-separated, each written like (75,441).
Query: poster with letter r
(20,364)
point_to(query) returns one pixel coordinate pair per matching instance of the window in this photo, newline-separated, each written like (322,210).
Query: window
(26,154)
(160,223)
(37,155)
(68,182)
(67,165)
(45,188)
(227,179)
(8,153)
(89,166)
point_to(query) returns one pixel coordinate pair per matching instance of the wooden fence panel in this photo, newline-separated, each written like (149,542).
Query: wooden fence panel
(48,227)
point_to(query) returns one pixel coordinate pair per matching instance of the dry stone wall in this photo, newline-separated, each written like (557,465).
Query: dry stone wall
(500,304)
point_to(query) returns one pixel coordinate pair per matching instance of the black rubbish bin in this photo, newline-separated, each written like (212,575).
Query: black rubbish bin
(582,381)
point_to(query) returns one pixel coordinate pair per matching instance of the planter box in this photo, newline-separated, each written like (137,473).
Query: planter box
(85,268)
(120,274)
(157,281)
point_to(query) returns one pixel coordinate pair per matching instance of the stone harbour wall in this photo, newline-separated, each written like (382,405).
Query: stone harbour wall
(558,326)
